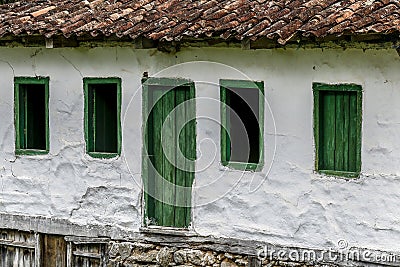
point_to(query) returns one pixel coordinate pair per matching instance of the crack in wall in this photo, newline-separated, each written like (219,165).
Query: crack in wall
(72,64)
(9,64)
(33,56)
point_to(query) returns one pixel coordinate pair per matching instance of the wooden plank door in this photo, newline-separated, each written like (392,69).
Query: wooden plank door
(170,144)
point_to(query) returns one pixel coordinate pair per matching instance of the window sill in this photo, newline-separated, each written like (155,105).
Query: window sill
(243,166)
(102,155)
(342,174)
(31,152)
(163,230)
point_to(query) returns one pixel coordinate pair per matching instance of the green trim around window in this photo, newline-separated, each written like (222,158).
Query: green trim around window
(89,136)
(20,114)
(355,133)
(225,143)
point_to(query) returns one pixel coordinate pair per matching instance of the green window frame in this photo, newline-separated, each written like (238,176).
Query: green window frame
(99,143)
(337,129)
(31,114)
(228,94)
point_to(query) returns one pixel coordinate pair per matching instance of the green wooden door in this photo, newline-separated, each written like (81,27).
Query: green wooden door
(170,145)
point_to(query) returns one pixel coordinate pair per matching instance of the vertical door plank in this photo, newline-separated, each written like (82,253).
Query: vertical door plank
(158,156)
(353,132)
(339,138)
(169,145)
(190,148)
(148,183)
(327,133)
(180,192)
(346,122)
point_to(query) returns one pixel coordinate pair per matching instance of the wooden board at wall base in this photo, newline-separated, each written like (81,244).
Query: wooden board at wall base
(54,251)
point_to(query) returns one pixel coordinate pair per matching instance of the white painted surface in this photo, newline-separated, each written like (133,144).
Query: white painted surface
(293,205)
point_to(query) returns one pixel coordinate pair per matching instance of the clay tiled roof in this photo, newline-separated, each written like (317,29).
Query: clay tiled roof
(178,19)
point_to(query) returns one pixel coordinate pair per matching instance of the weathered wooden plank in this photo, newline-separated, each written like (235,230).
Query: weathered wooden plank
(17,244)
(28,258)
(91,255)
(346,122)
(69,254)
(190,148)
(169,146)
(57,226)
(183,143)
(54,251)
(353,125)
(328,130)
(158,156)
(339,132)
(148,156)
(38,250)
(87,240)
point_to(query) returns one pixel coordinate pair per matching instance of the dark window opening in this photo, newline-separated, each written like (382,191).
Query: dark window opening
(32,116)
(244,127)
(103,118)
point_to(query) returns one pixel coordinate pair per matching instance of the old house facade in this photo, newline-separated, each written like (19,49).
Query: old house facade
(200,133)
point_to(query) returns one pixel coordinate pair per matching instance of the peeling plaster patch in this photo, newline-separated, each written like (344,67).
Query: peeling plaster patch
(65,108)
(106,205)
(8,137)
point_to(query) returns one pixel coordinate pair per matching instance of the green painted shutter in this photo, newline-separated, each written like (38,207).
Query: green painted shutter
(338,125)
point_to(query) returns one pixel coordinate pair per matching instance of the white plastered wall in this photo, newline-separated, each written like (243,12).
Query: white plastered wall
(286,203)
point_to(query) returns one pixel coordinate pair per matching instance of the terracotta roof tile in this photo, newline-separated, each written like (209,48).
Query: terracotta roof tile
(177,19)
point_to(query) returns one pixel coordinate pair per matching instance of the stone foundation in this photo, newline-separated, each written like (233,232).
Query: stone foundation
(144,254)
